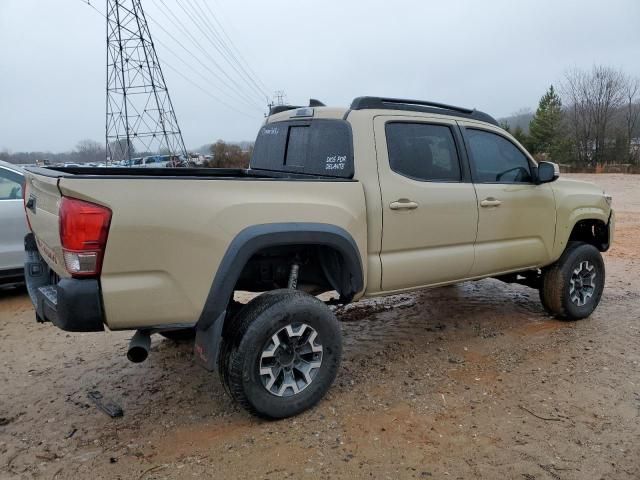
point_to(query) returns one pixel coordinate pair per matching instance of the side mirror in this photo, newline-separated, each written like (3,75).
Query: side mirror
(548,172)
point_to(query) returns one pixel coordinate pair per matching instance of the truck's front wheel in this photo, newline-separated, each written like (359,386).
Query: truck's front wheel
(281,353)
(571,288)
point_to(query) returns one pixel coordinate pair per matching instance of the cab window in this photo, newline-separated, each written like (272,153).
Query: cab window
(312,147)
(496,159)
(423,151)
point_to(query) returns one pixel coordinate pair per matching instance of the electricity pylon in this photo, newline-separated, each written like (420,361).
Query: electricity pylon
(140,115)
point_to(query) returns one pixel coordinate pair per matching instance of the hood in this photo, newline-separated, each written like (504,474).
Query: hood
(577,186)
(577,195)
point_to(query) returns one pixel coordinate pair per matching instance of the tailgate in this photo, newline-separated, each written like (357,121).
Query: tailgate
(42,199)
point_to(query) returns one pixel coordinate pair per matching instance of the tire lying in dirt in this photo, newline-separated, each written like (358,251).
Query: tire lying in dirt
(182,335)
(281,353)
(571,288)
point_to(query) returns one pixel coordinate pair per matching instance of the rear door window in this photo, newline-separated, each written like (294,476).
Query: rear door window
(422,151)
(315,147)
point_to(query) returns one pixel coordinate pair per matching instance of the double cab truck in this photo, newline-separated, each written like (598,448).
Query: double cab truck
(386,196)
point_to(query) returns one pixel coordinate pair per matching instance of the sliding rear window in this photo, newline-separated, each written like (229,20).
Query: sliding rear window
(313,147)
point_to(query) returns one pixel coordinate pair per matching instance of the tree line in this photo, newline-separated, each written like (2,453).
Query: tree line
(594,119)
(221,155)
(86,151)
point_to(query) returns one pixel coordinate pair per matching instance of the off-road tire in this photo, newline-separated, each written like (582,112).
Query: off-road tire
(181,335)
(555,289)
(244,341)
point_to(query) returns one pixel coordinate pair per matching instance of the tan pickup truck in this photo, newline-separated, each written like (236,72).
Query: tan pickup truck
(383,197)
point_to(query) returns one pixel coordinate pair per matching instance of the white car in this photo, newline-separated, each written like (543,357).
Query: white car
(155,161)
(13,223)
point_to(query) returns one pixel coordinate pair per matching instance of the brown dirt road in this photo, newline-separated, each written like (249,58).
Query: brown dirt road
(470,381)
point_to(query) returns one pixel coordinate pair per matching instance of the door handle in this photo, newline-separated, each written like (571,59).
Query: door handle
(403,204)
(490,202)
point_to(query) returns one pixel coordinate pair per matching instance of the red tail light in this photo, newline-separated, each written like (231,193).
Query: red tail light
(84,228)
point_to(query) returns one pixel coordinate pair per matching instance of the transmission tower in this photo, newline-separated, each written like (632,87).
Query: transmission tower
(140,115)
(279,97)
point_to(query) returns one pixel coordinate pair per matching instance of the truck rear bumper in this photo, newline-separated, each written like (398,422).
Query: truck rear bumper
(70,304)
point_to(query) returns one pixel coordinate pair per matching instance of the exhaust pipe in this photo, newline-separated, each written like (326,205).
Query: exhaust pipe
(139,347)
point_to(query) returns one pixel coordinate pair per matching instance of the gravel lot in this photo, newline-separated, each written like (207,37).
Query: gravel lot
(470,381)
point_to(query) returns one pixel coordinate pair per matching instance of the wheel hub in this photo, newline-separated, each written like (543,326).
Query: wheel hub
(582,284)
(285,356)
(290,360)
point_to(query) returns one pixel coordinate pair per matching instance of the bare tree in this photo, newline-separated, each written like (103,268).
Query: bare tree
(631,115)
(593,99)
(90,151)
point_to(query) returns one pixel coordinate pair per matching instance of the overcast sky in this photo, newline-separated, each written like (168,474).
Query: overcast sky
(498,56)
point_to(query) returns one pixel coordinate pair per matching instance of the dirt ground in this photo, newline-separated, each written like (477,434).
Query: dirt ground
(470,381)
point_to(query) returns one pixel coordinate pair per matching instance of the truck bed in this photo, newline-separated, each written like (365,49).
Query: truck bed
(182,173)
(167,238)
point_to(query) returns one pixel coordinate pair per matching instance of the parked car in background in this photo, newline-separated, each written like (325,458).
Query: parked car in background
(13,223)
(156,161)
(153,161)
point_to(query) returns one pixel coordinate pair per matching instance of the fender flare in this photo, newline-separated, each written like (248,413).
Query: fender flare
(577,216)
(242,248)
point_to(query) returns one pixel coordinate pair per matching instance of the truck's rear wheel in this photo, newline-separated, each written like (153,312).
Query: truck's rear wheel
(571,288)
(281,353)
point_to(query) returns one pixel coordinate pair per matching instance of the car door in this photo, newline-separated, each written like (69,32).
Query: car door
(517,218)
(12,220)
(429,206)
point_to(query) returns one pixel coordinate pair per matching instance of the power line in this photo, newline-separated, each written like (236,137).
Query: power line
(264,88)
(216,39)
(88,2)
(207,92)
(179,71)
(249,102)
(197,72)
(233,87)
(261,92)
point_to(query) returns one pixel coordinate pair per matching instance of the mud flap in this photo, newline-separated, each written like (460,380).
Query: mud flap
(207,345)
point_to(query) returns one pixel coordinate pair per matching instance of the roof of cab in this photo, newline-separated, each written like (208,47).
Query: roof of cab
(317,109)
(302,113)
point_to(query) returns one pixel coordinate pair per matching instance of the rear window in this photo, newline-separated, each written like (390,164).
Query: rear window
(315,147)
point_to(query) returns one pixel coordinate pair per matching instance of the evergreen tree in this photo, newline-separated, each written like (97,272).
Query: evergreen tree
(546,128)
(520,135)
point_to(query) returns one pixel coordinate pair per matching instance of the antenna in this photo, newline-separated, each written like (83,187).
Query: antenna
(140,116)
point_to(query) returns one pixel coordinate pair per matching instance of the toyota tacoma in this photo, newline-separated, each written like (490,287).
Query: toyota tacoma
(385,196)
